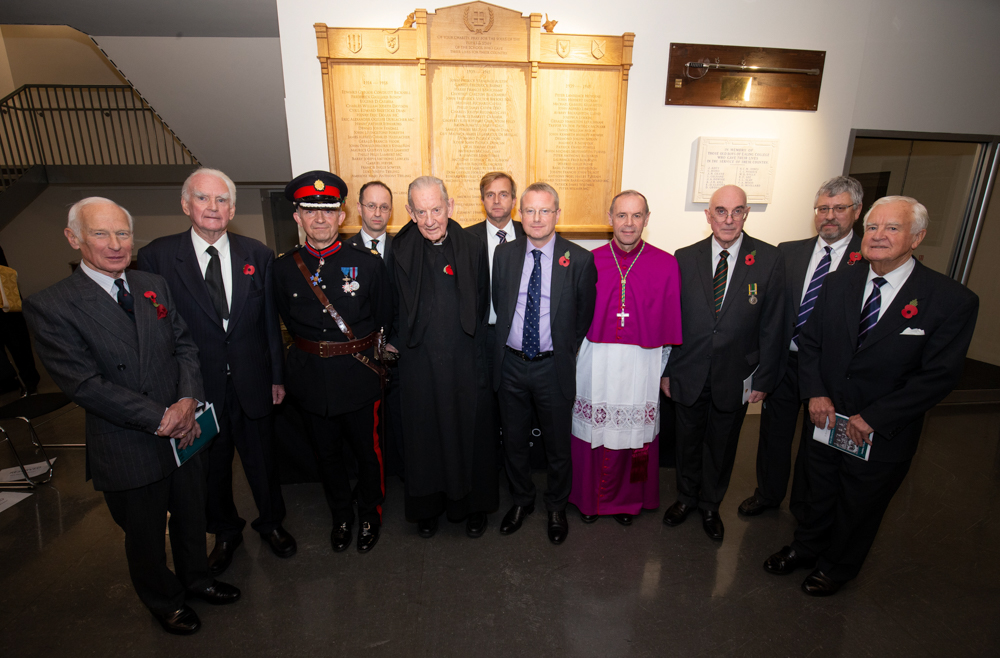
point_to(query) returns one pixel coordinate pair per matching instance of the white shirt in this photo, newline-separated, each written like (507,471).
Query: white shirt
(734,252)
(894,280)
(106,282)
(367,241)
(492,242)
(204,258)
(838,249)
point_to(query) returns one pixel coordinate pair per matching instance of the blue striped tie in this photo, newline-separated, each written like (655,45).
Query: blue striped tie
(822,269)
(869,314)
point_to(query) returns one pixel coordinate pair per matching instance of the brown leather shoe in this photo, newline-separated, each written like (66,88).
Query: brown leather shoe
(786,561)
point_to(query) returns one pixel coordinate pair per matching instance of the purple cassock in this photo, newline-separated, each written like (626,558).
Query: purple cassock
(615,446)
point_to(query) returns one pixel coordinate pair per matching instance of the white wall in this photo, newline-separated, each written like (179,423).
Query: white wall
(889,65)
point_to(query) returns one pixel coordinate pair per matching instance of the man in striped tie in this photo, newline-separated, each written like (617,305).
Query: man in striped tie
(886,341)
(732,303)
(807,263)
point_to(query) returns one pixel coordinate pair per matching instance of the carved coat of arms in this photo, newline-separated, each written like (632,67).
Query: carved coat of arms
(392,42)
(478,19)
(597,48)
(562,47)
(354,42)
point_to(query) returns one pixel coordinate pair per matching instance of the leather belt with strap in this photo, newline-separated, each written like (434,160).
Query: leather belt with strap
(524,357)
(353,346)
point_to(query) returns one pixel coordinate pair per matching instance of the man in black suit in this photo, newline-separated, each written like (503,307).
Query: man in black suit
(115,343)
(375,209)
(884,344)
(732,304)
(807,263)
(224,293)
(498,192)
(544,290)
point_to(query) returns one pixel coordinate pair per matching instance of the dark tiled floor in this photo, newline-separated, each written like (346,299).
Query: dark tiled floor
(931,586)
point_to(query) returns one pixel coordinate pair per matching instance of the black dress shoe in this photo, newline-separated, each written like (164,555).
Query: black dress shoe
(712,524)
(786,561)
(589,518)
(558,527)
(282,544)
(676,513)
(476,524)
(624,519)
(427,527)
(754,505)
(514,518)
(340,538)
(222,554)
(217,593)
(368,536)
(179,622)
(819,584)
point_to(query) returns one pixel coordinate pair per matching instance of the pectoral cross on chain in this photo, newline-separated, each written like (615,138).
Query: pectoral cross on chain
(622,315)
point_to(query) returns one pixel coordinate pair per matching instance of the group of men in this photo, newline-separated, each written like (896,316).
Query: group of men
(468,335)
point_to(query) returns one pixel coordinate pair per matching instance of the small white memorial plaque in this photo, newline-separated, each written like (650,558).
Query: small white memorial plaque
(746,162)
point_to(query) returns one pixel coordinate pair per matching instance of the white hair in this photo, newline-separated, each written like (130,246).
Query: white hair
(186,188)
(919,212)
(77,208)
(426,181)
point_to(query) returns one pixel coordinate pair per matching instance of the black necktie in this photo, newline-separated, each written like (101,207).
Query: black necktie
(533,308)
(125,300)
(216,290)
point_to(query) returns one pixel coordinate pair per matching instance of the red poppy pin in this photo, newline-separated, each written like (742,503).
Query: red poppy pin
(249,269)
(910,309)
(564,259)
(750,258)
(161,310)
(448,270)
(854,257)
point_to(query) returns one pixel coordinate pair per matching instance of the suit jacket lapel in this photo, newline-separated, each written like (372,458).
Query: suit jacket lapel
(100,306)
(892,318)
(145,317)
(239,259)
(734,291)
(855,303)
(705,269)
(190,274)
(559,279)
(515,258)
(799,267)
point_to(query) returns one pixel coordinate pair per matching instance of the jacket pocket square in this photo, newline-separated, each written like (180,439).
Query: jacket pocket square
(912,332)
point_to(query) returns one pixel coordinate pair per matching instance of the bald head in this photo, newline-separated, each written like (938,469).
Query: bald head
(726,214)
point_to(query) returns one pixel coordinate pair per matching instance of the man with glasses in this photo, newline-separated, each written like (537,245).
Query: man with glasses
(334,298)
(732,305)
(442,304)
(375,208)
(807,263)
(545,289)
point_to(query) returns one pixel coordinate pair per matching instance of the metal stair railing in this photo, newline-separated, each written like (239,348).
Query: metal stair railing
(83,125)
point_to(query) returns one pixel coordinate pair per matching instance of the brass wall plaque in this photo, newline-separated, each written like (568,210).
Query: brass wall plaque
(475,88)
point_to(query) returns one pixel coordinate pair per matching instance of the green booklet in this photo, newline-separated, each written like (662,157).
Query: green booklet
(209,428)
(836,437)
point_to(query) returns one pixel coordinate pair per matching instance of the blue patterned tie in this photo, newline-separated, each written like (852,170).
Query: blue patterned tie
(530,343)
(502,235)
(869,314)
(822,269)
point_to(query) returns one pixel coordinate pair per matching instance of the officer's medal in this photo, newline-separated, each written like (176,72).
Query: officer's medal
(752,290)
(351,284)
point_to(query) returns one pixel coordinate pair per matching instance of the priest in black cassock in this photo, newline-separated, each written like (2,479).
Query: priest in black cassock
(441,276)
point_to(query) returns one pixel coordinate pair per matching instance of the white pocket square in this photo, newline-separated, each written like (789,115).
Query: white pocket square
(912,332)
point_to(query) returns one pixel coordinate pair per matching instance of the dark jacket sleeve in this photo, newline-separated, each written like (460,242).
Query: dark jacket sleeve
(272,328)
(810,339)
(773,346)
(586,298)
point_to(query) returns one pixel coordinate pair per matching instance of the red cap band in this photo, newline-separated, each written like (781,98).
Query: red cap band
(309,190)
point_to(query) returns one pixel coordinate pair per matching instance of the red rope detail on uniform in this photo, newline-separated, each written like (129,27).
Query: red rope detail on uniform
(378,454)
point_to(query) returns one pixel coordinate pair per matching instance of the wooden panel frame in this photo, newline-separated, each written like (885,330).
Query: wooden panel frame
(779,91)
(476,34)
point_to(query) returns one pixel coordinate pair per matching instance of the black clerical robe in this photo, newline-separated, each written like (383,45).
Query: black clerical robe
(442,308)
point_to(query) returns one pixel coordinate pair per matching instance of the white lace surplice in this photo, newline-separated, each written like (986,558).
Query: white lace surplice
(618,394)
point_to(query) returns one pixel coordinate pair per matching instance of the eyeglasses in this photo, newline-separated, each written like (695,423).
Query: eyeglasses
(385,208)
(544,213)
(838,210)
(738,213)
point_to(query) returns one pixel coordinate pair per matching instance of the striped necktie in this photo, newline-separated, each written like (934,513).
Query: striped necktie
(822,269)
(869,314)
(503,236)
(719,280)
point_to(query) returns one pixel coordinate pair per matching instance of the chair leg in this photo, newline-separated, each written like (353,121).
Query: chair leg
(29,483)
(41,447)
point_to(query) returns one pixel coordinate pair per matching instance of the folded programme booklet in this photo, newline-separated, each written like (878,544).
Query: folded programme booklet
(836,437)
(209,428)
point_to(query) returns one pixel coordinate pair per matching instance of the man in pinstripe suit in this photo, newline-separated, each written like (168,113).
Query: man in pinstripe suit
(114,343)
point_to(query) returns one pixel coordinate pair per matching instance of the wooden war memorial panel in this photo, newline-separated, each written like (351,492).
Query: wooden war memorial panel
(475,88)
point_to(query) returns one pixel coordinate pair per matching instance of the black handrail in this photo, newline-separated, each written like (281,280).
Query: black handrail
(83,125)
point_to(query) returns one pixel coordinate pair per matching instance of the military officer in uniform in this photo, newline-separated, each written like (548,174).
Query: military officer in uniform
(334,298)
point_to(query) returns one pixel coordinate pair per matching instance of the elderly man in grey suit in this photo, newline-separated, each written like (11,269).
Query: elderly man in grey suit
(114,343)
